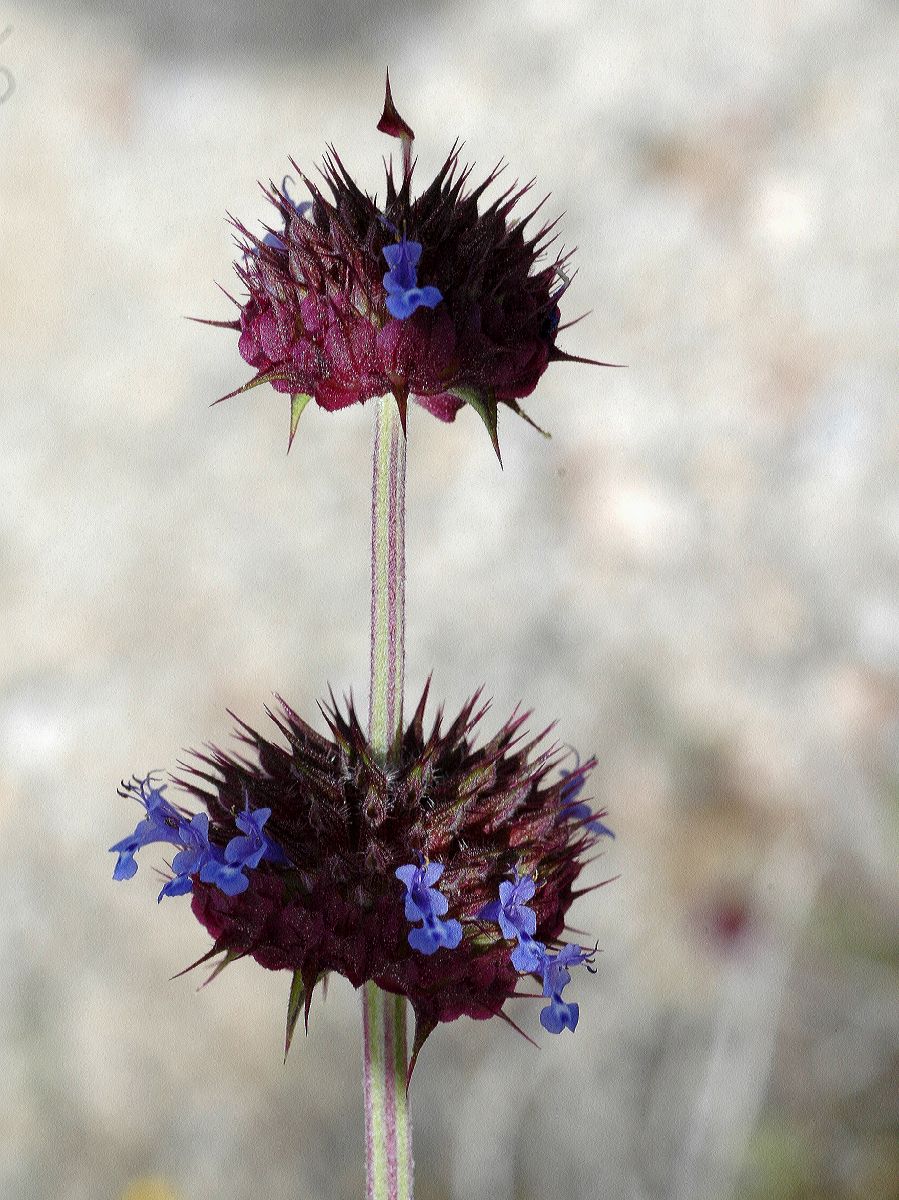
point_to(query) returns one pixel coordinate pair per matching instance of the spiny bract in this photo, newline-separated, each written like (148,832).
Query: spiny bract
(426,297)
(344,836)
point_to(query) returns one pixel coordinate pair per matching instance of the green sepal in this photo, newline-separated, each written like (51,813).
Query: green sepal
(484,404)
(298,402)
(295,1005)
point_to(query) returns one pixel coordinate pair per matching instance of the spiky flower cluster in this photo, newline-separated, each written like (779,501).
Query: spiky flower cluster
(461,315)
(443,877)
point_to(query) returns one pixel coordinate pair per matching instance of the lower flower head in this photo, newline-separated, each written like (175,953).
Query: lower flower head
(417,876)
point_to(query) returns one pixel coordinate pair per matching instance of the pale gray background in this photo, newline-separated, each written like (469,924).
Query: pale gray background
(697,576)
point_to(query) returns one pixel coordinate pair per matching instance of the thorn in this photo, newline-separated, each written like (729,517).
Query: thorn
(309,979)
(401,395)
(204,958)
(294,1005)
(517,1028)
(266,377)
(557,355)
(230,957)
(516,408)
(424,1027)
(298,402)
(484,404)
(217,324)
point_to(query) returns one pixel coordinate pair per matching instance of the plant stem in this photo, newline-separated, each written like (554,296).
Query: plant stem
(388,1130)
(388,578)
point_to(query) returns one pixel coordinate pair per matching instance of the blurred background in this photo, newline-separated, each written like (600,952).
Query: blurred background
(698,577)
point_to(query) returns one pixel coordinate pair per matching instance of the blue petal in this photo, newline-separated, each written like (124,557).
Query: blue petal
(227,879)
(573,788)
(179,886)
(555,977)
(402,258)
(429,296)
(508,926)
(558,1016)
(528,956)
(451,933)
(126,867)
(527,921)
(422,939)
(490,912)
(252,822)
(400,305)
(245,851)
(407,874)
(188,861)
(596,826)
(432,873)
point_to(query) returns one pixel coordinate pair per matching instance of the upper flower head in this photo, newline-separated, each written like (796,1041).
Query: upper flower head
(463,314)
(434,877)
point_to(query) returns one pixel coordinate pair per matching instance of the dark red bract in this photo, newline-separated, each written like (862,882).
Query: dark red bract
(346,823)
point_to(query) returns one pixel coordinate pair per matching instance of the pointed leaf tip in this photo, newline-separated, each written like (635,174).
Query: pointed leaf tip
(391,122)
(484,404)
(230,957)
(298,402)
(401,395)
(516,408)
(424,1027)
(295,1004)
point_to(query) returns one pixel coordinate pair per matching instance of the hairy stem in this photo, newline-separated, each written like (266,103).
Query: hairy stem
(388,577)
(388,1130)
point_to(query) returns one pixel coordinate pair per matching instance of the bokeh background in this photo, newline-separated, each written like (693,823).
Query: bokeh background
(698,577)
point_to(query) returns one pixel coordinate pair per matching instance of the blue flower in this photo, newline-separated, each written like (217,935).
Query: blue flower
(299,207)
(558,1014)
(424,903)
(527,957)
(580,812)
(163,823)
(510,910)
(196,854)
(517,921)
(404,295)
(249,850)
(193,858)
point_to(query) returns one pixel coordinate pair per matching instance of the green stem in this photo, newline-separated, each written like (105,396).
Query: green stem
(388,1130)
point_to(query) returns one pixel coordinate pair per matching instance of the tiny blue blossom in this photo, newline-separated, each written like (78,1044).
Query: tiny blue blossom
(510,911)
(404,295)
(299,207)
(426,904)
(163,823)
(580,812)
(527,957)
(558,1014)
(249,850)
(517,921)
(196,854)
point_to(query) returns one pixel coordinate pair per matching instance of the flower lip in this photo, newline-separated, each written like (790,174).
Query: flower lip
(404,295)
